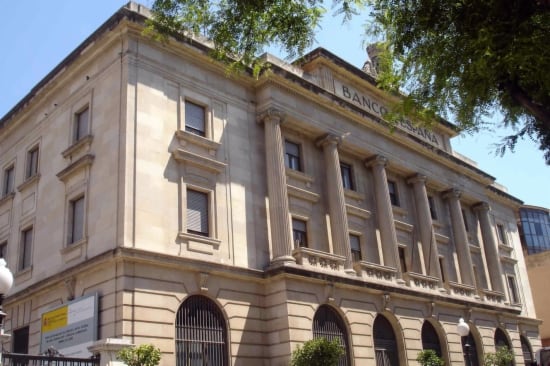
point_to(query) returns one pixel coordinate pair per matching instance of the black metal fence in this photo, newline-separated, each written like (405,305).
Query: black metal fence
(18,359)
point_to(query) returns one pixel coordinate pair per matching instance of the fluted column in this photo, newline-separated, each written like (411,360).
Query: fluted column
(336,200)
(425,225)
(490,246)
(279,214)
(384,213)
(460,237)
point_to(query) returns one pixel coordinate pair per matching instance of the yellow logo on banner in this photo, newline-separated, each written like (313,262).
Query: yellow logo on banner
(55,319)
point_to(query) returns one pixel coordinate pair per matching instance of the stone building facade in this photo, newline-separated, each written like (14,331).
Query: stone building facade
(232,218)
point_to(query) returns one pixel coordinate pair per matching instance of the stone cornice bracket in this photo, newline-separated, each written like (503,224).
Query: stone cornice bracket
(376,160)
(272,114)
(329,292)
(468,314)
(70,285)
(432,309)
(386,302)
(482,207)
(417,178)
(453,192)
(330,138)
(202,281)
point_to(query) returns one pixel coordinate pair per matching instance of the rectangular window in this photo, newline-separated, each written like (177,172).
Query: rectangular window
(21,340)
(3,249)
(25,249)
(442,268)
(32,162)
(347,176)
(195,118)
(431,203)
(81,122)
(292,156)
(501,233)
(197,213)
(9,179)
(513,290)
(394,197)
(76,220)
(355,244)
(465,218)
(299,233)
(402,259)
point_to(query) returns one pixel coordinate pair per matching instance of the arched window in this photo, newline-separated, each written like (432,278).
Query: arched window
(385,344)
(502,341)
(469,347)
(430,339)
(328,324)
(526,350)
(201,334)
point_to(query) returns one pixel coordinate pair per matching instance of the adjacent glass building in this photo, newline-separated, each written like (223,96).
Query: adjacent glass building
(535,229)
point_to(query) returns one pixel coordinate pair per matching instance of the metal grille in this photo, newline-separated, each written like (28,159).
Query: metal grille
(385,345)
(18,359)
(328,324)
(430,339)
(526,350)
(201,335)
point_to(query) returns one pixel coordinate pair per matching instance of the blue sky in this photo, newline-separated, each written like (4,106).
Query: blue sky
(36,35)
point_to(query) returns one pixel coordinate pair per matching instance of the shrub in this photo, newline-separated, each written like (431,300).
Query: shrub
(428,357)
(502,357)
(317,352)
(144,355)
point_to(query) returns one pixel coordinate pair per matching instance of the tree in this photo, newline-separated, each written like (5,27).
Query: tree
(143,355)
(459,59)
(502,357)
(317,352)
(429,357)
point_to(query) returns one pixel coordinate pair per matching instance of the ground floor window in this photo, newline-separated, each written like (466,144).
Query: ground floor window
(328,324)
(527,352)
(430,339)
(201,333)
(385,344)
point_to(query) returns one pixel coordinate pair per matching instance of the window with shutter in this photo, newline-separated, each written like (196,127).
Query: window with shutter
(194,119)
(76,220)
(197,212)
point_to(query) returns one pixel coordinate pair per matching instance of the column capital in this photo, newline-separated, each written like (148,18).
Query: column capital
(482,207)
(452,193)
(271,114)
(376,160)
(329,139)
(417,178)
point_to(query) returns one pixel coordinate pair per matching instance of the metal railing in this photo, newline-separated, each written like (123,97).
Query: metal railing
(18,359)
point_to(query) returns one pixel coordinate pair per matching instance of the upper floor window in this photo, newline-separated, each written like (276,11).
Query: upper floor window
(32,162)
(347,176)
(299,233)
(76,220)
(513,290)
(394,196)
(81,123)
(197,213)
(292,156)
(501,233)
(431,203)
(465,218)
(3,249)
(195,118)
(355,244)
(402,259)
(9,179)
(25,249)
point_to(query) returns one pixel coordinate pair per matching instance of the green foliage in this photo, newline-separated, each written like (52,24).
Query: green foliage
(459,59)
(428,357)
(143,355)
(317,352)
(502,357)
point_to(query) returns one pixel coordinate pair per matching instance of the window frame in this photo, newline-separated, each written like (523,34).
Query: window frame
(78,132)
(190,129)
(292,161)
(393,192)
(513,290)
(71,228)
(356,253)
(25,248)
(346,172)
(32,163)
(207,196)
(465,219)
(302,240)
(432,207)
(402,254)
(4,249)
(8,180)
(501,233)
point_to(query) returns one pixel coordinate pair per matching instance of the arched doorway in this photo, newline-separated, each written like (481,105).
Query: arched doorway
(469,346)
(527,351)
(501,340)
(328,324)
(430,339)
(385,344)
(201,333)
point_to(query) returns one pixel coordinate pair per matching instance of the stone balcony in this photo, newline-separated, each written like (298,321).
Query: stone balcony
(317,259)
(375,272)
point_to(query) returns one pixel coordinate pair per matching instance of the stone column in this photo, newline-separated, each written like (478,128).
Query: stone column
(107,349)
(490,246)
(425,226)
(336,200)
(460,237)
(279,214)
(384,213)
